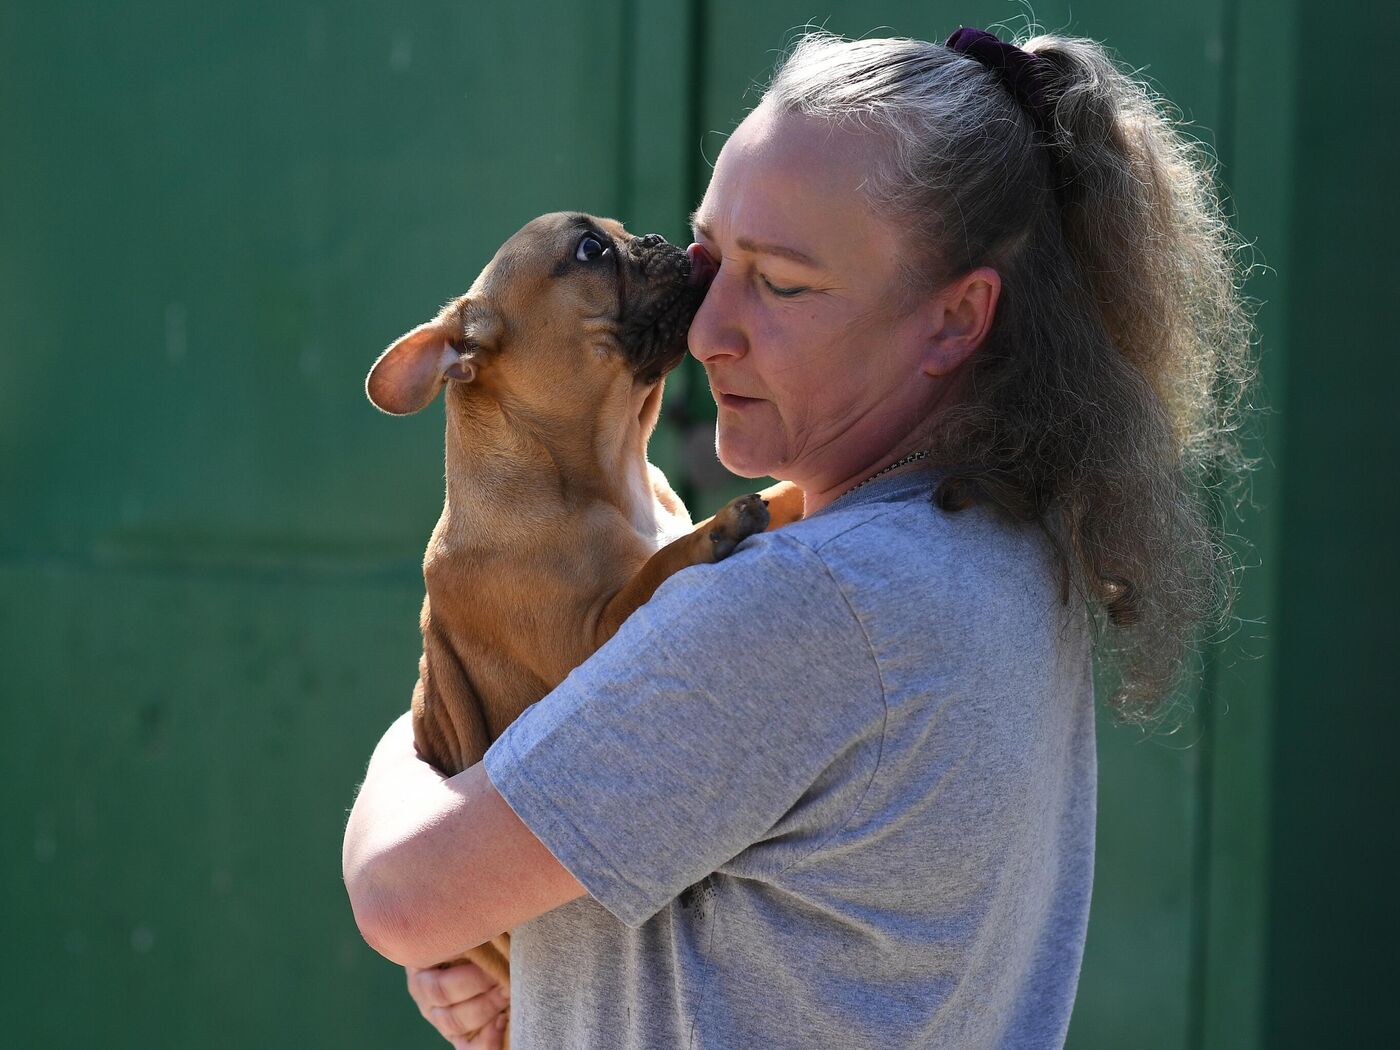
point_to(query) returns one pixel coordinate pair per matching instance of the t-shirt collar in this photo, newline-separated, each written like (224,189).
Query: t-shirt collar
(902,485)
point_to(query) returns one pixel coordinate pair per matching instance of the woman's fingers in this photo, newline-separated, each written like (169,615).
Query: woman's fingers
(489,1038)
(434,987)
(465,1018)
(462,1003)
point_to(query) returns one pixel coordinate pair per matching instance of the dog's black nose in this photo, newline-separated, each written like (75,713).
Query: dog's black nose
(651,240)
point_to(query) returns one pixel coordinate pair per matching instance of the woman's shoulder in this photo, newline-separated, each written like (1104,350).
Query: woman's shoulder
(891,546)
(962,591)
(903,565)
(902,531)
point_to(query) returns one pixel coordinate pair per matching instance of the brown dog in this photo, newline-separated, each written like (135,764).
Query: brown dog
(555,526)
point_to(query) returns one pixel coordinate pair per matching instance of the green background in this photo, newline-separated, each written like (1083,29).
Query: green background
(211,221)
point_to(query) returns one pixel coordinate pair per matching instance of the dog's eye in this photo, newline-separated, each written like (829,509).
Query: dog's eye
(589,249)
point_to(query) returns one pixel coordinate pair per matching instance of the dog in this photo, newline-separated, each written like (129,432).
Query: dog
(555,526)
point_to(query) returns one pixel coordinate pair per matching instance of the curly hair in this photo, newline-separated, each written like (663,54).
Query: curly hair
(1105,401)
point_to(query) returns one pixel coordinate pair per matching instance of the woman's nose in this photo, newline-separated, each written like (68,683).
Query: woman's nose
(713,331)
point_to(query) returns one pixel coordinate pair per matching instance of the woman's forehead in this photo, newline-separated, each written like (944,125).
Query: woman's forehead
(798,181)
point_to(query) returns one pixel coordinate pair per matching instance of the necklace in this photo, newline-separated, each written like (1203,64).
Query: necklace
(921,454)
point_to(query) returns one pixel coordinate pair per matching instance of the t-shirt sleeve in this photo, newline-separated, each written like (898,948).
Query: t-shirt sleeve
(696,728)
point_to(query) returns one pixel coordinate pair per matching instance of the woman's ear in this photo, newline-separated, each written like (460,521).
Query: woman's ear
(961,318)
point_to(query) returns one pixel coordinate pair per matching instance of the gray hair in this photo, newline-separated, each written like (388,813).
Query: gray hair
(1106,399)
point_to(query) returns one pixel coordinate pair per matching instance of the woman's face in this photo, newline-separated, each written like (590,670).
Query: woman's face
(813,354)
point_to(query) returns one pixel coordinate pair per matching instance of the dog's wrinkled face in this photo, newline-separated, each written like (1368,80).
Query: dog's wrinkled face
(571,311)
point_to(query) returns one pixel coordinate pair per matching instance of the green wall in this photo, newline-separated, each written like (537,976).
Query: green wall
(1333,924)
(211,220)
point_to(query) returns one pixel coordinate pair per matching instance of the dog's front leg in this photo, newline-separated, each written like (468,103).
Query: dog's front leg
(786,504)
(710,541)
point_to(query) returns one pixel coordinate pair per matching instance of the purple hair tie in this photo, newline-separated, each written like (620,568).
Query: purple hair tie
(1024,74)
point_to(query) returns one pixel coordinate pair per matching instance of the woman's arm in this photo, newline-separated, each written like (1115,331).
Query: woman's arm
(436,866)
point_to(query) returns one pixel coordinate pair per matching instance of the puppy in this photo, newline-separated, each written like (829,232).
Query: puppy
(555,526)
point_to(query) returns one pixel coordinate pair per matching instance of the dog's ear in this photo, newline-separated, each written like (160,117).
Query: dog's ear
(409,374)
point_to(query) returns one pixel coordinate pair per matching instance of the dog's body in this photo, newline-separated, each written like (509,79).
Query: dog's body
(555,526)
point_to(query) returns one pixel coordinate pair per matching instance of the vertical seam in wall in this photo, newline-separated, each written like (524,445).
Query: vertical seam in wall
(694,115)
(1197,980)
(697,16)
(626,116)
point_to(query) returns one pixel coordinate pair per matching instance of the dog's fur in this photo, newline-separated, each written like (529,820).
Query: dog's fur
(555,526)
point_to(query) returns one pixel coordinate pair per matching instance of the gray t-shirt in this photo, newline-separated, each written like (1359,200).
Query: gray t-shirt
(837,790)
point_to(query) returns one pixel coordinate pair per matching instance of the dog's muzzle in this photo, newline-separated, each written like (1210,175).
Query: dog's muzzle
(663,293)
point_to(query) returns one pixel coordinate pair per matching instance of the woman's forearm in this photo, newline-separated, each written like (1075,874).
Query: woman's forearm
(401,796)
(437,866)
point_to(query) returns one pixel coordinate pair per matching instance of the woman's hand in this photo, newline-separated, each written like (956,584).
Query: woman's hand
(461,1000)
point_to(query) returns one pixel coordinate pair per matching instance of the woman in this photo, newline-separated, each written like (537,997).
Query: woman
(839,789)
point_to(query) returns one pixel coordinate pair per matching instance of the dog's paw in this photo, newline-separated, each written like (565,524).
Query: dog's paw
(737,521)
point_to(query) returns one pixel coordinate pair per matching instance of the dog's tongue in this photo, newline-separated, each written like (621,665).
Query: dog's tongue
(702,267)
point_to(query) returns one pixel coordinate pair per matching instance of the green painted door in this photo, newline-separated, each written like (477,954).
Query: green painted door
(211,221)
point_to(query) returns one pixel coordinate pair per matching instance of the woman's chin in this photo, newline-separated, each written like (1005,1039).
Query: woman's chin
(744,462)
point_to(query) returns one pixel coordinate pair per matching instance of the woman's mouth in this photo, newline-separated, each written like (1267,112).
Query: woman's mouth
(735,401)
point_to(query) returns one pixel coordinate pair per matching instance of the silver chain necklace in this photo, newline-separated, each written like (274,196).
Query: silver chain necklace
(921,454)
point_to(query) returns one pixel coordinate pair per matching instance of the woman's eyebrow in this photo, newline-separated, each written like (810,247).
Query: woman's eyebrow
(762,248)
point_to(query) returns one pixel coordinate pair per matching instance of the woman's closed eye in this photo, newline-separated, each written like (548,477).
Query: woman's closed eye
(780,291)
